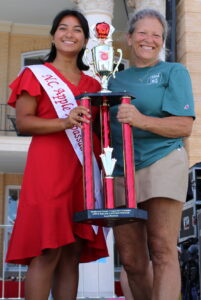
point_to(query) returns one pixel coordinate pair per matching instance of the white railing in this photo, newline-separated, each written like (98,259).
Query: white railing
(11,279)
(7,119)
(97,286)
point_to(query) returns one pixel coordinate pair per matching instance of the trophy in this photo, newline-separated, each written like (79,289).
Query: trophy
(103,66)
(103,54)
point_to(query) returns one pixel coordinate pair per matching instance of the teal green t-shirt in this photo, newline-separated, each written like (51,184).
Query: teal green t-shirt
(159,91)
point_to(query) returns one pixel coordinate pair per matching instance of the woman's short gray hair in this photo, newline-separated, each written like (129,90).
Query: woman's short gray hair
(147,12)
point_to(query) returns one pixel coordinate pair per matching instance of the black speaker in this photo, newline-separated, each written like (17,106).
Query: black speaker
(195,182)
(199,242)
(188,229)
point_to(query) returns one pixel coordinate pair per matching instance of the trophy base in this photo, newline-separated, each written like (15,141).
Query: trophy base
(114,98)
(110,217)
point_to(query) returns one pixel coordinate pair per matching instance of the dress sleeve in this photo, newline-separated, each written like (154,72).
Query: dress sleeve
(26,81)
(178,97)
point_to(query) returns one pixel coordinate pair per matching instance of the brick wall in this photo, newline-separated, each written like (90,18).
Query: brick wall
(189,53)
(21,43)
(4,46)
(16,39)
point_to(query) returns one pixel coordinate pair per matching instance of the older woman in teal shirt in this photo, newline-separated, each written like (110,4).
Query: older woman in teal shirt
(161,115)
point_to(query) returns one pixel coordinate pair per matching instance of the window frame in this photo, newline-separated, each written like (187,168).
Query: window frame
(10,268)
(33,54)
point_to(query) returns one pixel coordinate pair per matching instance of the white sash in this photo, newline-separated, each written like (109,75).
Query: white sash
(63,101)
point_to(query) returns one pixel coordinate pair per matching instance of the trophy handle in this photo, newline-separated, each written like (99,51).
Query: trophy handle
(91,65)
(118,63)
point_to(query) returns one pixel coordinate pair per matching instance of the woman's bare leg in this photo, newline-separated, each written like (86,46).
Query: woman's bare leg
(131,242)
(39,276)
(125,285)
(162,229)
(66,275)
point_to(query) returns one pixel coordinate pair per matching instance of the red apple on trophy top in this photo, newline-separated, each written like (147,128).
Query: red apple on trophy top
(102,30)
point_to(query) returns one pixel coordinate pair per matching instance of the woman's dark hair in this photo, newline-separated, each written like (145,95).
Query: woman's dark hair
(84,24)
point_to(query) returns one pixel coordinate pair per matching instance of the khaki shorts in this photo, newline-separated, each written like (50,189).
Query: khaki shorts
(168,178)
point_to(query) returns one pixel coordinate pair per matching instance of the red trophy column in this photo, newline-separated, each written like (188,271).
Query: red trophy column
(128,160)
(87,157)
(108,162)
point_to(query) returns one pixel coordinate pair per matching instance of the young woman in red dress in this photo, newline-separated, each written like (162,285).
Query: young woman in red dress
(44,236)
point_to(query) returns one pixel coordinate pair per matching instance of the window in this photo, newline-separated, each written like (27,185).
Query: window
(124,64)
(33,57)
(11,204)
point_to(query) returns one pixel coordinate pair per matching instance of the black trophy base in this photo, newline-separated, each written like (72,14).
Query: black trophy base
(114,98)
(110,217)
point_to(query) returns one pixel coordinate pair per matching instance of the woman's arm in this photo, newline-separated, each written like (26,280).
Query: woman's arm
(28,123)
(172,127)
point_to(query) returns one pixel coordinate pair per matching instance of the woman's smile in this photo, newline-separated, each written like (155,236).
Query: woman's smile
(146,41)
(69,35)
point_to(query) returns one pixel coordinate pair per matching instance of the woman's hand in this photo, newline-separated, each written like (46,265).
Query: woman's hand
(172,126)
(128,113)
(28,122)
(77,116)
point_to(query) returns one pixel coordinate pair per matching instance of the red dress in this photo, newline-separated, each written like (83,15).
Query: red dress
(52,188)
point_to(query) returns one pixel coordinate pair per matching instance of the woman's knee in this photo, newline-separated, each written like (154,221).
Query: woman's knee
(162,252)
(135,265)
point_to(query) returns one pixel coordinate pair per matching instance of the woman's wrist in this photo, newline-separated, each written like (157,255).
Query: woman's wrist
(64,124)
